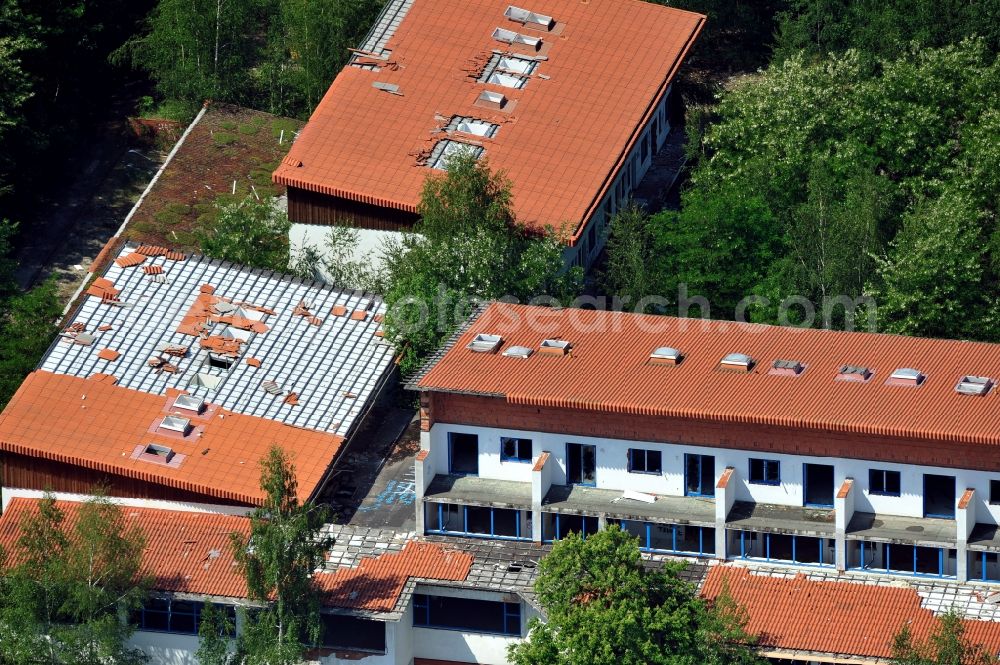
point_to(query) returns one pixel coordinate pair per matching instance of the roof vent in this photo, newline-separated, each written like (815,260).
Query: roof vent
(737,361)
(176,424)
(483,343)
(974,385)
(518,352)
(511,37)
(854,373)
(666,355)
(163,452)
(189,403)
(555,347)
(905,376)
(526,17)
(786,368)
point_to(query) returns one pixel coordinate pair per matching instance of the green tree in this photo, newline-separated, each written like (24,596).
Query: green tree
(466,246)
(278,559)
(15,91)
(214,643)
(72,582)
(27,327)
(252,232)
(947,645)
(603,607)
(932,279)
(634,267)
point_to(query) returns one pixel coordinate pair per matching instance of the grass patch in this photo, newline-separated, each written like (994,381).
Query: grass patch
(289,127)
(172,214)
(249,129)
(222,139)
(228,125)
(171,109)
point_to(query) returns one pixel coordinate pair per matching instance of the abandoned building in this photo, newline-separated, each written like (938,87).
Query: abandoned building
(571,100)
(845,451)
(176,374)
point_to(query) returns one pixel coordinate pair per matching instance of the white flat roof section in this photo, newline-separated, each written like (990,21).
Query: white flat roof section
(319,351)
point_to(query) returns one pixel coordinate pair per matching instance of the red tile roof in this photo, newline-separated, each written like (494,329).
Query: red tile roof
(833,617)
(190,552)
(607,369)
(566,134)
(99,425)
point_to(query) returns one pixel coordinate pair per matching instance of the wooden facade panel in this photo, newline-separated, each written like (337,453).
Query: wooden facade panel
(305,207)
(34,473)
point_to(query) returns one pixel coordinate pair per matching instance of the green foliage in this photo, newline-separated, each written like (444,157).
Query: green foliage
(467,246)
(72,582)
(812,169)
(883,28)
(604,608)
(214,644)
(251,232)
(947,645)
(26,330)
(277,561)
(336,262)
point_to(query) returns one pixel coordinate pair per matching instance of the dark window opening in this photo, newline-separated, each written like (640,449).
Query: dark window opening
(939,496)
(463,453)
(168,615)
(995,492)
(904,559)
(645,148)
(699,475)
(818,485)
(645,461)
(765,472)
(886,483)
(515,450)
(806,550)
(476,616)
(222,362)
(556,526)
(477,521)
(581,464)
(347,632)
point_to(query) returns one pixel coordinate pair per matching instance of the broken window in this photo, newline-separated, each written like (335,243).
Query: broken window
(444,150)
(994,492)
(514,449)
(556,526)
(699,475)
(581,465)
(348,632)
(463,454)
(477,521)
(939,496)
(467,614)
(765,472)
(818,489)
(645,461)
(882,482)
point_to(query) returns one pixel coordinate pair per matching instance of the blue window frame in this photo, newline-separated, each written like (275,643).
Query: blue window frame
(784,548)
(699,475)
(900,559)
(984,566)
(515,450)
(883,482)
(463,454)
(672,538)
(641,460)
(466,614)
(765,471)
(476,521)
(170,615)
(556,526)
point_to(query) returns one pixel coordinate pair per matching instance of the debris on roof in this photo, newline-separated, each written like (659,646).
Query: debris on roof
(130,260)
(109,355)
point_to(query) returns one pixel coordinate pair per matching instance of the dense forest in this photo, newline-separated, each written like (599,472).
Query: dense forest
(853,181)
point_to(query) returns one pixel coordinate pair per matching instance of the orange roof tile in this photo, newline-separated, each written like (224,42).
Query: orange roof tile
(567,132)
(375,585)
(108,354)
(99,425)
(608,370)
(832,617)
(190,552)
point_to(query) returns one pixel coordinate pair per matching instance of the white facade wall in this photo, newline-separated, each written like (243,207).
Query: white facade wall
(166,648)
(612,470)
(368,250)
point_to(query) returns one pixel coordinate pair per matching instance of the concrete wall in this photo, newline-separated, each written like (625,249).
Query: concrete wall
(612,470)
(166,648)
(367,250)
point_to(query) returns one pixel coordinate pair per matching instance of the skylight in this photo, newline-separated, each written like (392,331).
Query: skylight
(189,403)
(483,343)
(974,385)
(509,71)
(906,376)
(474,126)
(739,361)
(447,148)
(555,346)
(854,373)
(163,452)
(786,368)
(518,352)
(511,37)
(493,99)
(175,424)
(666,355)
(526,17)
